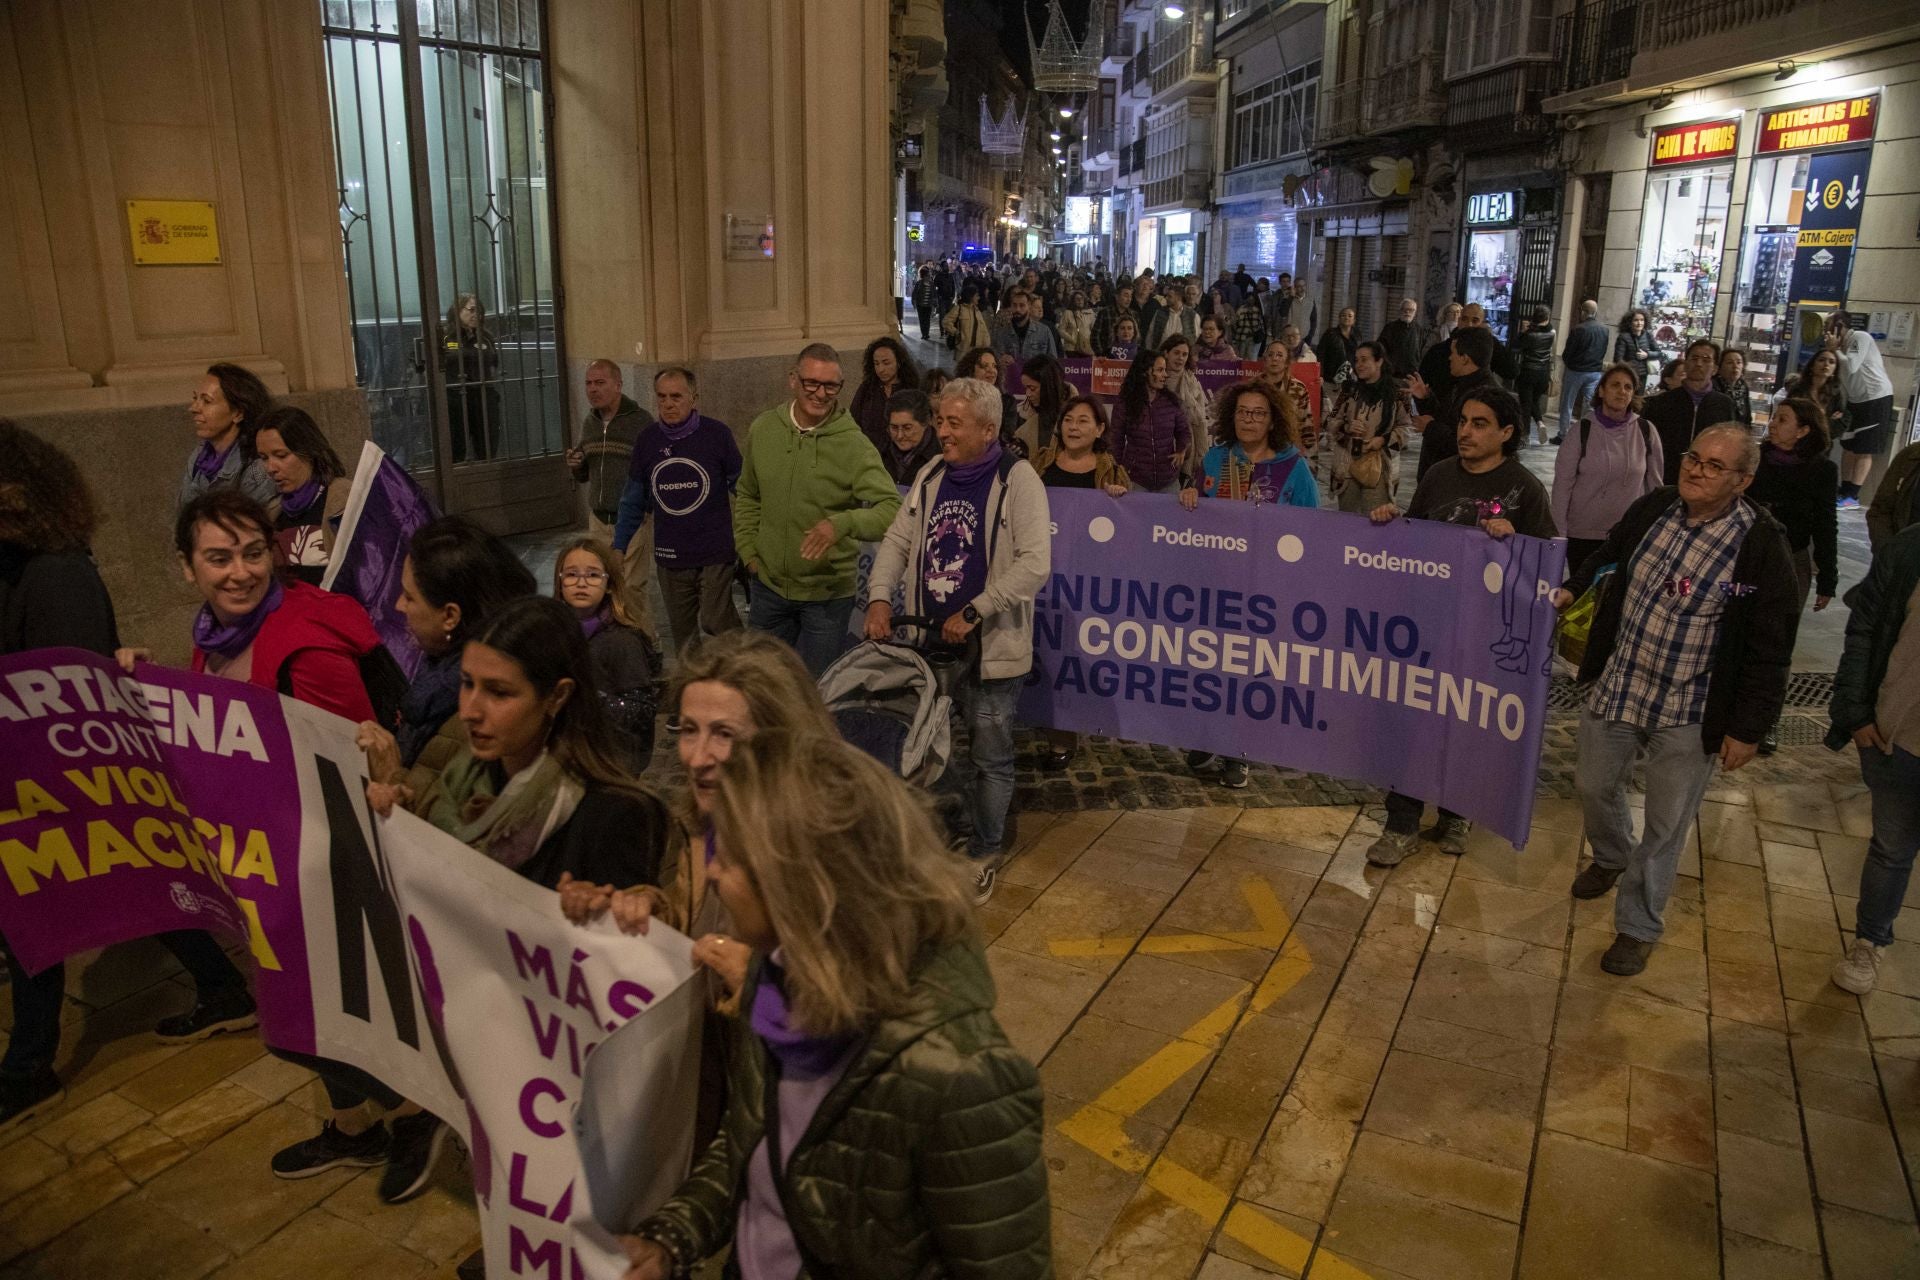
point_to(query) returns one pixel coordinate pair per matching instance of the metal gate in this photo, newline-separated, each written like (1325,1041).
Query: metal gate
(443,147)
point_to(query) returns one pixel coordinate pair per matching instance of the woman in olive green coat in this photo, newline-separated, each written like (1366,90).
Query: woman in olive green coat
(905,1131)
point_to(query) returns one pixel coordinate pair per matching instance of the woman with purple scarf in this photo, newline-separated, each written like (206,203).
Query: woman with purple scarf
(312,485)
(880,1125)
(227,408)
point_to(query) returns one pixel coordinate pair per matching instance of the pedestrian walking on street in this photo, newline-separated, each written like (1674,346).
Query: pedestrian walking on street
(1863,376)
(1876,707)
(1687,662)
(1582,358)
(1533,348)
(1607,463)
(1796,483)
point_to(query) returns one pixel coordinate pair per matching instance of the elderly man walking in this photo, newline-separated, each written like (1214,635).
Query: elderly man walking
(600,463)
(971,547)
(812,488)
(1689,655)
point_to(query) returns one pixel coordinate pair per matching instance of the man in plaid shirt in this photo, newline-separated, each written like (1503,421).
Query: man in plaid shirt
(1689,655)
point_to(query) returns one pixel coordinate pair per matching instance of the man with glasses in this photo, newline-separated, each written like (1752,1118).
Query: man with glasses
(812,488)
(1685,411)
(1688,656)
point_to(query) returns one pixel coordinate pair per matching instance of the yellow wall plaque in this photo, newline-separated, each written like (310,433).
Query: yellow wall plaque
(173,232)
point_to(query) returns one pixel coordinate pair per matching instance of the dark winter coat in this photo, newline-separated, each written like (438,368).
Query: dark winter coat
(1748,683)
(1678,420)
(1800,496)
(923,1161)
(1879,610)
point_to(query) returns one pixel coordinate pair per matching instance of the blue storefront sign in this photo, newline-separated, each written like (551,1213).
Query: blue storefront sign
(1829,224)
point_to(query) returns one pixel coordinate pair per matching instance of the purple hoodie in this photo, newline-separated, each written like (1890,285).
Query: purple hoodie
(1147,448)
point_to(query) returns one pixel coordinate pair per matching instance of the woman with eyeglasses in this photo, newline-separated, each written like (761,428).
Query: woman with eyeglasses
(588,578)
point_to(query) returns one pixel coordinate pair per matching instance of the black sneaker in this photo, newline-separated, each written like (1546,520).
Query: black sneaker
(417,1143)
(332,1149)
(1200,760)
(1595,880)
(673,726)
(983,881)
(1770,741)
(1233,773)
(209,1018)
(26,1098)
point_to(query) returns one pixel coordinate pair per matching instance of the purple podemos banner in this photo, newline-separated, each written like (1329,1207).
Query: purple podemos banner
(1412,655)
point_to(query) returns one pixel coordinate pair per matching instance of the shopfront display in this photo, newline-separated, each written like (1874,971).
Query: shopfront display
(1506,254)
(1804,201)
(1683,229)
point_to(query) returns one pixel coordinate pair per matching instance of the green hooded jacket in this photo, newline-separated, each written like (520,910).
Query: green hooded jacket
(924,1160)
(789,480)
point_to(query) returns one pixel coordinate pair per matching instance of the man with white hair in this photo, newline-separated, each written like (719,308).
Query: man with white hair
(1689,654)
(970,547)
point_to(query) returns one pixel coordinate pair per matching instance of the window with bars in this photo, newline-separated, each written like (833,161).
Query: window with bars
(1275,119)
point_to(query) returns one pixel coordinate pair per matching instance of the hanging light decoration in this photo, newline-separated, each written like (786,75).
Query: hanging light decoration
(1061,64)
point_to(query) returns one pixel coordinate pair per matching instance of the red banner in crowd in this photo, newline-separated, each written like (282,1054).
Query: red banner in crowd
(1101,378)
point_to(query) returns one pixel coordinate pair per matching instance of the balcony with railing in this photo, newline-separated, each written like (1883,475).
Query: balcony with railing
(1096,149)
(1339,112)
(1501,108)
(1182,60)
(1138,77)
(1679,22)
(1597,42)
(1406,95)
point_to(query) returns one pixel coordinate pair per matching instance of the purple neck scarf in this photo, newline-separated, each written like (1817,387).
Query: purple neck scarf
(685,429)
(800,1055)
(1782,457)
(591,624)
(230,639)
(207,463)
(970,472)
(297,502)
(1605,419)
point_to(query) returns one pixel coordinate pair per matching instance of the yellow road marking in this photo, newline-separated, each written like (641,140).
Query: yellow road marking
(1099,1126)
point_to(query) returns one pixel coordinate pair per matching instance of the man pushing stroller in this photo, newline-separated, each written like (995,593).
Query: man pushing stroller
(970,548)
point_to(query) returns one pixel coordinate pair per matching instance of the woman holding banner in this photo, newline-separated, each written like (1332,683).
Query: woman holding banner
(541,790)
(875,1074)
(1368,430)
(455,578)
(1151,432)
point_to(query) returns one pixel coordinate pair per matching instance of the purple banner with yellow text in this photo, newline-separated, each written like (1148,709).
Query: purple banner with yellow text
(1412,655)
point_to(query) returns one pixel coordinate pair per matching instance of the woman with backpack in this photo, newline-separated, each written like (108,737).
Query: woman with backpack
(1607,462)
(966,327)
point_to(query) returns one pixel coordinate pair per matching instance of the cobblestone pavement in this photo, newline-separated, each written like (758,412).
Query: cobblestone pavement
(1261,1057)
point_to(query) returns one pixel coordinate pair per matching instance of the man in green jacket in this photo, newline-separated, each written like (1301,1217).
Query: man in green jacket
(812,489)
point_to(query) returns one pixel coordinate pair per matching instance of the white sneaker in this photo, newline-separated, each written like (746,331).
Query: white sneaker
(1858,971)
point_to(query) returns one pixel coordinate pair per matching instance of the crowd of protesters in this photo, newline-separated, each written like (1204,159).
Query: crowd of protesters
(865,1058)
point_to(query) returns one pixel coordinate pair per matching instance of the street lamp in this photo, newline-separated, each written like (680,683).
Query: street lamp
(1066,113)
(1174,11)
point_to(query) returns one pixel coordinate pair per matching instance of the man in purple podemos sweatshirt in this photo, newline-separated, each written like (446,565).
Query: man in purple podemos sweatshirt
(683,473)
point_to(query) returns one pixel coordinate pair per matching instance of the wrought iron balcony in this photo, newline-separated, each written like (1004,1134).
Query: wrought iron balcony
(1339,112)
(1678,22)
(1597,42)
(1406,95)
(1501,108)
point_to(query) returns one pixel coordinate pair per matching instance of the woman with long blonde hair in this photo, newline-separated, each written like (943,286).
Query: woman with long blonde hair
(880,1123)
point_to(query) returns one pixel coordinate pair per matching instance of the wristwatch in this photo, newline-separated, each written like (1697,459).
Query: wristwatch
(971,614)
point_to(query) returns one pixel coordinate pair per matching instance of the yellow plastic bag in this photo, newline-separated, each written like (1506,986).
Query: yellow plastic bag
(1576,624)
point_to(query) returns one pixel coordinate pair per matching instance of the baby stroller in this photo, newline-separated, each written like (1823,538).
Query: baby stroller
(894,701)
